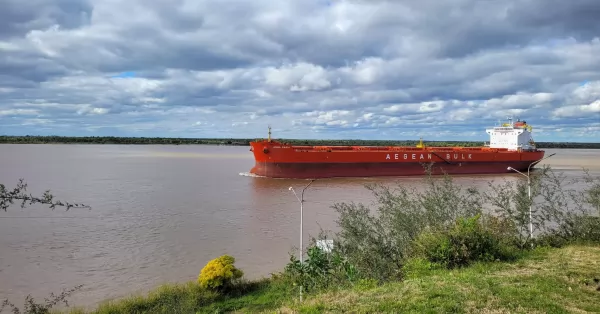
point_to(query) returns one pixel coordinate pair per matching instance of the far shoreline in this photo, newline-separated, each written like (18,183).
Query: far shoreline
(116,140)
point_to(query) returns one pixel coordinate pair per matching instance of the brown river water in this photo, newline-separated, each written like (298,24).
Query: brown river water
(160,213)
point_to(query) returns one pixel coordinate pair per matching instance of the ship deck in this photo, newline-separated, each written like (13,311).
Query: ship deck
(301,148)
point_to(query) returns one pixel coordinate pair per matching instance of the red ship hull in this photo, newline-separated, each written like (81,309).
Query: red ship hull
(278,160)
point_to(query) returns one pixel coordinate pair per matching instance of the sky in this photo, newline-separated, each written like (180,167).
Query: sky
(331,69)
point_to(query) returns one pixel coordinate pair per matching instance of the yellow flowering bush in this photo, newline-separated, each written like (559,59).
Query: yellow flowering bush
(219,273)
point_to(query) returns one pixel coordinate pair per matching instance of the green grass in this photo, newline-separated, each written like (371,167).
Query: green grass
(542,281)
(189,297)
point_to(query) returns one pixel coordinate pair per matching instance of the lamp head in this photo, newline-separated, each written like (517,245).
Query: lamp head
(290,188)
(509,168)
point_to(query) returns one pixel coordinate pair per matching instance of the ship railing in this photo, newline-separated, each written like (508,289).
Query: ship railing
(369,148)
(407,148)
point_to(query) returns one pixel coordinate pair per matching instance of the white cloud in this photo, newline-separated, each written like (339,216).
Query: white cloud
(298,77)
(354,68)
(590,110)
(18,112)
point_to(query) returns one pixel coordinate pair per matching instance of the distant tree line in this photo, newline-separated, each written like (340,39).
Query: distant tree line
(119,140)
(28,139)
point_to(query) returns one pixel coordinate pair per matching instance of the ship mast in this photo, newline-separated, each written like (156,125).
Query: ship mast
(269,138)
(420,145)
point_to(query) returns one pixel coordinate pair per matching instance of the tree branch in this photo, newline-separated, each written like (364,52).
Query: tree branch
(8,197)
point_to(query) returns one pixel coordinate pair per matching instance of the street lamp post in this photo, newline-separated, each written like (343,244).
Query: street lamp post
(529,189)
(301,200)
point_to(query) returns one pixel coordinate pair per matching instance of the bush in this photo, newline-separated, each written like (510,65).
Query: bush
(380,243)
(464,243)
(320,270)
(219,273)
(577,229)
(561,213)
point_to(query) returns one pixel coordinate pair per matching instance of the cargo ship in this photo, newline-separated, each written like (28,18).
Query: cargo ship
(511,145)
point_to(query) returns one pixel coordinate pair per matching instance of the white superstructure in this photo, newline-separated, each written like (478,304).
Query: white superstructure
(515,136)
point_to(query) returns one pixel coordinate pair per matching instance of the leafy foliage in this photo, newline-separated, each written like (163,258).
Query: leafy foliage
(219,273)
(467,241)
(379,244)
(447,223)
(592,195)
(558,212)
(8,197)
(583,223)
(320,270)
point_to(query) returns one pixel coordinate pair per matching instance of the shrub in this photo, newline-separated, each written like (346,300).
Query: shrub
(577,224)
(586,228)
(379,243)
(462,244)
(561,213)
(576,229)
(408,222)
(320,270)
(219,273)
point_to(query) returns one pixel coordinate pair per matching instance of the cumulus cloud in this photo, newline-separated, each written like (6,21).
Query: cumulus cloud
(389,69)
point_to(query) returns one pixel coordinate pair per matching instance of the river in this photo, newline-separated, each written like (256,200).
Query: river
(159,213)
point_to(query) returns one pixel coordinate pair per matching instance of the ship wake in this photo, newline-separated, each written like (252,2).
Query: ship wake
(248,174)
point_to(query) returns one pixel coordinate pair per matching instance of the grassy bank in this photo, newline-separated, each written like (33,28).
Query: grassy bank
(545,280)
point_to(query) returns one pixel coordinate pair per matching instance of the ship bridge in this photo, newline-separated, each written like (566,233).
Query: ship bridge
(511,136)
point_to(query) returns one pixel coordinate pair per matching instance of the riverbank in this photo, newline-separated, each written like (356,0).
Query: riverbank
(543,280)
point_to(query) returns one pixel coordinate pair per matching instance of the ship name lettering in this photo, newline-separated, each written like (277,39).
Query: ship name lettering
(419,156)
(457,156)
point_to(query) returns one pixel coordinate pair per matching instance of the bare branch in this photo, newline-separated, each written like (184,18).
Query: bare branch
(31,306)
(8,197)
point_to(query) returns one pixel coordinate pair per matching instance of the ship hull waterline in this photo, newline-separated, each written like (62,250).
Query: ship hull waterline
(333,170)
(374,169)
